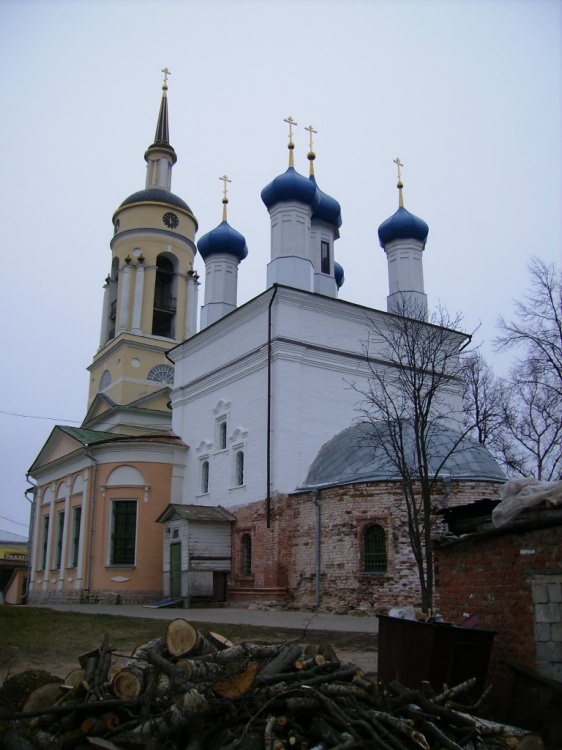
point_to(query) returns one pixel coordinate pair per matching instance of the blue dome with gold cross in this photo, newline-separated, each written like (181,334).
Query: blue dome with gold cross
(291,186)
(223,240)
(403,225)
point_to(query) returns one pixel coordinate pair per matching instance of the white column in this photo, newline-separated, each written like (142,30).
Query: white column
(137,304)
(104,315)
(125,294)
(191,305)
(84,529)
(65,532)
(37,530)
(50,536)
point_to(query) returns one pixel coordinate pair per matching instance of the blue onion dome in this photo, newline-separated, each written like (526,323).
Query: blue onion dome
(223,240)
(156,195)
(402,226)
(291,186)
(338,275)
(329,210)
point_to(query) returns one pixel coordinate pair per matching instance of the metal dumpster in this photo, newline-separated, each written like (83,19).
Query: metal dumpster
(412,652)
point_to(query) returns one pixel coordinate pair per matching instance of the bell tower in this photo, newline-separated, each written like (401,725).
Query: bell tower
(150,294)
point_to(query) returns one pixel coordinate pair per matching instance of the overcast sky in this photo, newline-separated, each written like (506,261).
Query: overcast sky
(467,94)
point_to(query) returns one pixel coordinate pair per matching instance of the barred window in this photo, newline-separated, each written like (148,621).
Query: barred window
(124,534)
(246,556)
(374,550)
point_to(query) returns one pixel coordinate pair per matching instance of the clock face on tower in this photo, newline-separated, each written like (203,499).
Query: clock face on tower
(170,220)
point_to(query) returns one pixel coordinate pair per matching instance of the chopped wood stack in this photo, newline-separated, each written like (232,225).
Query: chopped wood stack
(189,691)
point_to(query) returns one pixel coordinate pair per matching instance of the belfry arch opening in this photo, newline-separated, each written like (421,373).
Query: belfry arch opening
(165,299)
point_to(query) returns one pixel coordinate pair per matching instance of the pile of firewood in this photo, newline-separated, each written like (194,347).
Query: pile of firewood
(187,691)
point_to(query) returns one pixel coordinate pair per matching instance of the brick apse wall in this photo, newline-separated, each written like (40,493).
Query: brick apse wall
(284,556)
(514,582)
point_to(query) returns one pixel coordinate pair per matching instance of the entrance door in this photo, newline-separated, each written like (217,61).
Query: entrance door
(175,570)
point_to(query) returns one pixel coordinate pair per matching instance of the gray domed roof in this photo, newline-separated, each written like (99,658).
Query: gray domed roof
(156,195)
(356,455)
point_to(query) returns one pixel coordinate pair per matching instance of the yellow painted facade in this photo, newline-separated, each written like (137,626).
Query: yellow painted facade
(101,487)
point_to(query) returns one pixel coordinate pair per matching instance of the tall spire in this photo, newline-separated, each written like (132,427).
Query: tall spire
(162,134)
(160,157)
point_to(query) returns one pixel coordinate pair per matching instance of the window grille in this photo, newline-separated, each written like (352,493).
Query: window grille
(124,532)
(374,550)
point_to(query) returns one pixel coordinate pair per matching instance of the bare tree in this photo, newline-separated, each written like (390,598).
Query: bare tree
(537,327)
(482,400)
(531,397)
(411,399)
(531,441)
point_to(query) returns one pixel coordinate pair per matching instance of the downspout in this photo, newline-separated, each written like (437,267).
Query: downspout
(30,550)
(269,397)
(315,495)
(92,508)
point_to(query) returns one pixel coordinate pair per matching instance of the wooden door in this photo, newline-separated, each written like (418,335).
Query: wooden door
(175,570)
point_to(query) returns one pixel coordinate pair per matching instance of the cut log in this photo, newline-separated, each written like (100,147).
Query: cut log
(237,685)
(286,658)
(129,682)
(43,697)
(74,678)
(220,641)
(183,638)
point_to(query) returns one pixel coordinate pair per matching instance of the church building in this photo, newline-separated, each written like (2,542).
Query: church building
(223,460)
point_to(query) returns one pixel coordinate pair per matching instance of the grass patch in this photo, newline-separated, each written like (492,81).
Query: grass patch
(38,632)
(42,638)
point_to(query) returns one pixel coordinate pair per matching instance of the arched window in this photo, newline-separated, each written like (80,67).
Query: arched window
(374,549)
(105,380)
(239,469)
(222,434)
(162,374)
(246,555)
(205,477)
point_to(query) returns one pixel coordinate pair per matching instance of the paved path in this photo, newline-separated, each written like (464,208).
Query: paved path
(230,616)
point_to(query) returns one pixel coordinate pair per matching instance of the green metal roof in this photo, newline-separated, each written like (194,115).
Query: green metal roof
(88,437)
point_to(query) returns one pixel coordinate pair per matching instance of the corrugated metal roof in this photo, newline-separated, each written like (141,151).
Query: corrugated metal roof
(360,454)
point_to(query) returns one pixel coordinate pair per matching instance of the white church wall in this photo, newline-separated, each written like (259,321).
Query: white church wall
(316,358)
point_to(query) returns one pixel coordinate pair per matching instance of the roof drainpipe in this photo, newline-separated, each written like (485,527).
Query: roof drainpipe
(269,398)
(94,477)
(315,495)
(33,491)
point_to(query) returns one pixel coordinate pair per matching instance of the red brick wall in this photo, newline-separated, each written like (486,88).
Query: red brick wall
(493,577)
(284,556)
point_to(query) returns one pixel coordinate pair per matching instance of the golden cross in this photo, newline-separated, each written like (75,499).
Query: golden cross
(291,123)
(225,179)
(166,74)
(310,132)
(398,164)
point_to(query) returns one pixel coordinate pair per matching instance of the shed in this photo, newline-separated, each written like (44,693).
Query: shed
(197,552)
